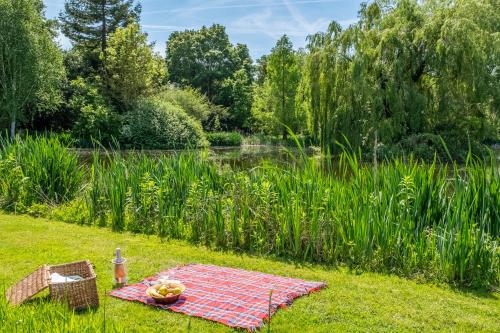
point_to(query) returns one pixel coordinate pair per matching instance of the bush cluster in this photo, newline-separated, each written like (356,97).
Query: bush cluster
(96,118)
(191,101)
(224,139)
(427,146)
(157,124)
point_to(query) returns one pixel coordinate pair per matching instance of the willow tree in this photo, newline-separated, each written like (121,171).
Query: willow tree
(406,68)
(31,67)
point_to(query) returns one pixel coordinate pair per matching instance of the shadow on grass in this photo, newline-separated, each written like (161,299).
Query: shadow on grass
(493,293)
(41,300)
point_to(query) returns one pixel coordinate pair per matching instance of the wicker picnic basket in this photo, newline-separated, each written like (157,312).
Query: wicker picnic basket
(77,294)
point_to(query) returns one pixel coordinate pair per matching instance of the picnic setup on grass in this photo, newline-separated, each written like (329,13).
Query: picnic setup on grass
(237,298)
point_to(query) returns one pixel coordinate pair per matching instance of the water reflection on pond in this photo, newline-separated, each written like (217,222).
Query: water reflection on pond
(243,157)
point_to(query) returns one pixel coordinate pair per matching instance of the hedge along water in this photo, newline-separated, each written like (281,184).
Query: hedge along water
(409,218)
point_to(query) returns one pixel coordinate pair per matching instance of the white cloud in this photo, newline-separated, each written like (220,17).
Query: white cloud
(266,23)
(163,28)
(225,4)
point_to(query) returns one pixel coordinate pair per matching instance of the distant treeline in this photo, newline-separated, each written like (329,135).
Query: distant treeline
(406,77)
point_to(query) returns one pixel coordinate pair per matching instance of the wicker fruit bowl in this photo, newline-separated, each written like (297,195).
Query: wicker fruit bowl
(167,292)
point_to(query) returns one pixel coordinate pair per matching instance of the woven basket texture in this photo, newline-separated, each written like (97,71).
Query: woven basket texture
(78,294)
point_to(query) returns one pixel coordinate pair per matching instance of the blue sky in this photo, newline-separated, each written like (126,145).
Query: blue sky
(257,23)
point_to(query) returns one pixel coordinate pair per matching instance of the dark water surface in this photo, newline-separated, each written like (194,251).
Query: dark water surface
(243,157)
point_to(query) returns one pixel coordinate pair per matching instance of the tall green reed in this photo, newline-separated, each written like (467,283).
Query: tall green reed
(409,217)
(38,170)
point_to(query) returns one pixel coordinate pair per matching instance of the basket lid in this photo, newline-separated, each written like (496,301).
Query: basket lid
(29,286)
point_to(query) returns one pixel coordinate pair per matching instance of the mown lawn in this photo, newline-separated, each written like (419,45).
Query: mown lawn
(351,303)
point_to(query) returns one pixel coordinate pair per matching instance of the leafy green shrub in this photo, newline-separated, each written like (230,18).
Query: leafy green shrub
(426,146)
(96,119)
(217,118)
(190,100)
(38,170)
(155,124)
(224,139)
(13,183)
(39,210)
(75,211)
(195,105)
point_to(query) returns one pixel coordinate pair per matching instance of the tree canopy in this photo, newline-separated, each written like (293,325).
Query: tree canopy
(206,60)
(88,23)
(403,78)
(31,69)
(132,68)
(406,68)
(280,87)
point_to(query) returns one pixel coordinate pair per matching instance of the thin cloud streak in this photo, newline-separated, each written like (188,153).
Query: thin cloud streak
(159,28)
(248,5)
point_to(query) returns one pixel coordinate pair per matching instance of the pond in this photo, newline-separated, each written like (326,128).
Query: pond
(242,157)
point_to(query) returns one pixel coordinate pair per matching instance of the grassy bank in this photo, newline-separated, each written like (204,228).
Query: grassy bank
(352,302)
(408,218)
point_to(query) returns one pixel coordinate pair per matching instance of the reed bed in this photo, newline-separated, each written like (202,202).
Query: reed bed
(37,170)
(409,218)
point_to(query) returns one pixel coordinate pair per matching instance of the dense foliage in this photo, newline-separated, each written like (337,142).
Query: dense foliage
(412,219)
(96,119)
(31,69)
(205,59)
(275,104)
(35,171)
(190,100)
(403,79)
(133,69)
(407,68)
(224,139)
(157,124)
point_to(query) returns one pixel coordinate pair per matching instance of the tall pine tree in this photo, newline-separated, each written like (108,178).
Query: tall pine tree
(88,23)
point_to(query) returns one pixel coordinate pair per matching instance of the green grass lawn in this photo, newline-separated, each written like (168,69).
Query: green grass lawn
(351,303)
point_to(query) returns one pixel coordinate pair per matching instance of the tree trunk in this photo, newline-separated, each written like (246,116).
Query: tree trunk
(103,27)
(283,114)
(13,128)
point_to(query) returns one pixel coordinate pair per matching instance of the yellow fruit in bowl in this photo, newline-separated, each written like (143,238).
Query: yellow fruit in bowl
(177,291)
(163,290)
(166,293)
(154,293)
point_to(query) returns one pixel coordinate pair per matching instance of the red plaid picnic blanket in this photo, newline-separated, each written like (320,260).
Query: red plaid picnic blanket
(234,297)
